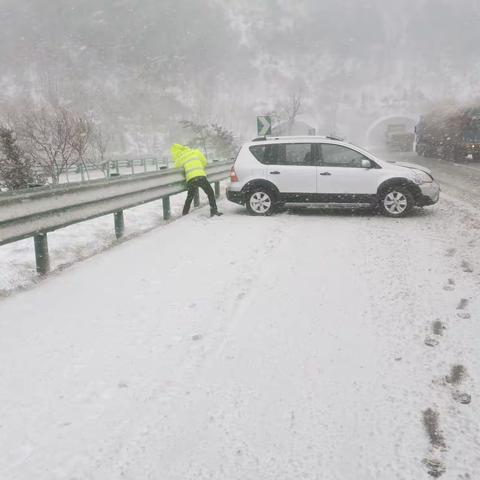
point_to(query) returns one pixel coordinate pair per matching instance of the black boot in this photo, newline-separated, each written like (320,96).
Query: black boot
(215,213)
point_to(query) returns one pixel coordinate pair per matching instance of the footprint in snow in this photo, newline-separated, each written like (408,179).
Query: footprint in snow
(462,304)
(457,375)
(431,342)
(461,397)
(241,295)
(431,423)
(435,468)
(450,286)
(438,327)
(451,252)
(466,267)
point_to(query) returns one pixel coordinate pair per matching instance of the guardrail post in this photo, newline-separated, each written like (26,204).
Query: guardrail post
(42,258)
(166,208)
(196,198)
(217,189)
(119,223)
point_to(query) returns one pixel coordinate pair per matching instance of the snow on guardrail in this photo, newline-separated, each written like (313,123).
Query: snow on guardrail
(35,212)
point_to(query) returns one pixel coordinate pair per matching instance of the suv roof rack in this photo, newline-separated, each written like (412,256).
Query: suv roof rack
(295,137)
(332,137)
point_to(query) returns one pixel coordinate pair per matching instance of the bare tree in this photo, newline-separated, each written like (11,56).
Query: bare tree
(45,135)
(99,141)
(65,131)
(80,140)
(287,111)
(293,108)
(200,134)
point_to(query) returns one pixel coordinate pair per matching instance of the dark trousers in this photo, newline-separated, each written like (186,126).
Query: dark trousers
(192,185)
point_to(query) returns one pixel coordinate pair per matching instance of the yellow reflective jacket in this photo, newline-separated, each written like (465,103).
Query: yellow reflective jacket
(192,161)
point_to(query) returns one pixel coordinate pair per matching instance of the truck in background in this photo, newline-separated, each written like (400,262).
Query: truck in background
(450,133)
(398,138)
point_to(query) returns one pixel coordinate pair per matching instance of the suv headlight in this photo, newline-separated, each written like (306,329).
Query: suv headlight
(420,177)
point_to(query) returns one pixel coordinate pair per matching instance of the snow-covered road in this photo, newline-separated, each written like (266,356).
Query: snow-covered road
(245,348)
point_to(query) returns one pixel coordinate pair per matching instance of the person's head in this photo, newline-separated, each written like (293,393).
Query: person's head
(177,149)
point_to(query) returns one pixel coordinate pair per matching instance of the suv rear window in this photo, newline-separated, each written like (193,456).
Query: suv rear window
(258,151)
(283,154)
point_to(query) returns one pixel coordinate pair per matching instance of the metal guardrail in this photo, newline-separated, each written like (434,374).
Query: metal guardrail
(35,212)
(111,167)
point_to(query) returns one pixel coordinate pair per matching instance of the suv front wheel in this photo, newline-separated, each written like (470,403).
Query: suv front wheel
(260,201)
(396,202)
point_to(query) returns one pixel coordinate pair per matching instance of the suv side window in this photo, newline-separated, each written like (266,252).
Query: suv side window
(284,154)
(298,154)
(258,152)
(267,154)
(339,156)
(275,154)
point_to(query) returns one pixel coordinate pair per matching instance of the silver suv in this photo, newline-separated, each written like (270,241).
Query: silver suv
(279,170)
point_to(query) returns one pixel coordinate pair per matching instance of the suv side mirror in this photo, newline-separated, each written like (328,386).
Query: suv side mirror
(366,163)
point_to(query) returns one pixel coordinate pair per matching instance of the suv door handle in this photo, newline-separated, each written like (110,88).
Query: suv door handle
(325,173)
(275,173)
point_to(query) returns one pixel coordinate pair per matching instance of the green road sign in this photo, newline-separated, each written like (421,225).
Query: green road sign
(264,125)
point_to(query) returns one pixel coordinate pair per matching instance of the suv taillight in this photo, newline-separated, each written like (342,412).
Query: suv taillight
(233,175)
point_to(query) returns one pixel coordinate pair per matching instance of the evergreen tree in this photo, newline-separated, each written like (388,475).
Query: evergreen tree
(216,142)
(15,168)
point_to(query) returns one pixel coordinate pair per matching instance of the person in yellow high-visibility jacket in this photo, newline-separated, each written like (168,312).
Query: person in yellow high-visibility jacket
(194,162)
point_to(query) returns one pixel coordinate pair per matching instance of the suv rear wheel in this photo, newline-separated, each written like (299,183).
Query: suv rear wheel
(260,201)
(396,202)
